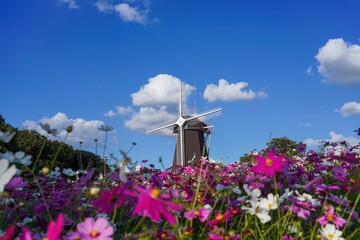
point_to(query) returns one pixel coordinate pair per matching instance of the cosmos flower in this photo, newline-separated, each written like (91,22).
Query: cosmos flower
(46,127)
(95,230)
(331,233)
(18,157)
(6,173)
(255,209)
(153,204)
(202,214)
(269,165)
(6,136)
(269,203)
(68,172)
(54,228)
(109,200)
(9,232)
(25,234)
(330,217)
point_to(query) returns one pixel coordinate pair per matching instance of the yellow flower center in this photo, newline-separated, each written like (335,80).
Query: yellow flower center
(269,162)
(45,238)
(94,233)
(269,205)
(163,235)
(330,236)
(219,217)
(329,217)
(352,180)
(196,213)
(155,193)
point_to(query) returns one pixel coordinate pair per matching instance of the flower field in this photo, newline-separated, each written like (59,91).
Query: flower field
(266,195)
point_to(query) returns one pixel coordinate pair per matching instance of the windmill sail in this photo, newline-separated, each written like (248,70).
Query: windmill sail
(189,130)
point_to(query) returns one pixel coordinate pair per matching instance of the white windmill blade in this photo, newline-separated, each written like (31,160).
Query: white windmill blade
(182,146)
(214,112)
(160,128)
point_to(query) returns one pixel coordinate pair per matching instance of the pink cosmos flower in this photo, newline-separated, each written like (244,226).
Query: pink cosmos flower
(54,228)
(269,165)
(153,204)
(25,235)
(286,237)
(202,214)
(95,230)
(9,232)
(109,200)
(330,217)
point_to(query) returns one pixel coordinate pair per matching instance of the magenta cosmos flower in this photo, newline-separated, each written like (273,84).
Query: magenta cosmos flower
(330,217)
(202,214)
(95,230)
(109,200)
(269,165)
(9,232)
(53,230)
(151,203)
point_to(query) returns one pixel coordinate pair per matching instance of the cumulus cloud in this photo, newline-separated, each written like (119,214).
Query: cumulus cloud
(304,124)
(339,62)
(72,4)
(120,110)
(150,117)
(104,6)
(308,71)
(230,92)
(349,109)
(128,13)
(164,89)
(334,137)
(85,131)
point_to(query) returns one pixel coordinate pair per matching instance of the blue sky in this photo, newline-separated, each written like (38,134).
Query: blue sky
(277,68)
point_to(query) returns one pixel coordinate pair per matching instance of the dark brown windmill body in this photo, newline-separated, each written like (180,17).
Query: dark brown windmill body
(194,142)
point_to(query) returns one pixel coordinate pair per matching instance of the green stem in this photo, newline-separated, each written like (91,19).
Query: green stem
(138,225)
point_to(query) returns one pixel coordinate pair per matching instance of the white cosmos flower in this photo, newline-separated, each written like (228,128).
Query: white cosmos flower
(6,136)
(69,172)
(253,193)
(255,209)
(46,127)
(269,203)
(18,157)
(307,198)
(55,173)
(331,233)
(286,194)
(6,173)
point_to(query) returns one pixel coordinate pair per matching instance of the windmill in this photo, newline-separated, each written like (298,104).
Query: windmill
(189,130)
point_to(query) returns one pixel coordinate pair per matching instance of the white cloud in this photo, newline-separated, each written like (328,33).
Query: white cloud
(130,14)
(124,110)
(150,117)
(349,109)
(339,62)
(120,110)
(85,131)
(110,113)
(104,6)
(304,124)
(230,92)
(161,90)
(70,3)
(334,137)
(308,71)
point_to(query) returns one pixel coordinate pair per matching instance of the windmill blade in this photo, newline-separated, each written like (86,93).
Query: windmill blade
(209,114)
(182,146)
(161,128)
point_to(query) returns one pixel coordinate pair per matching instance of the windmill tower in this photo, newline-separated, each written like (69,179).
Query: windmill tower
(189,130)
